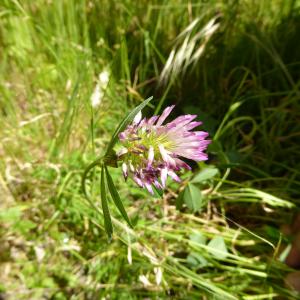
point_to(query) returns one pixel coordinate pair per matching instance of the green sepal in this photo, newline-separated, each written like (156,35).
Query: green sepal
(111,159)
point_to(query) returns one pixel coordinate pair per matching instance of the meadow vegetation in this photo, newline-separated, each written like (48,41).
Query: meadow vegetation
(225,239)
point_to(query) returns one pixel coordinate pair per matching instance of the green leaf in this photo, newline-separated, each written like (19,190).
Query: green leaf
(193,197)
(218,247)
(116,198)
(198,238)
(106,214)
(11,214)
(124,123)
(205,174)
(196,260)
(24,226)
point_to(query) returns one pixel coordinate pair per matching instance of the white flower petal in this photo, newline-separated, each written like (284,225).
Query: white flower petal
(165,156)
(125,170)
(150,156)
(122,151)
(163,176)
(137,118)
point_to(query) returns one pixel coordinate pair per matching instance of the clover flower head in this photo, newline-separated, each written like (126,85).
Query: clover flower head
(152,150)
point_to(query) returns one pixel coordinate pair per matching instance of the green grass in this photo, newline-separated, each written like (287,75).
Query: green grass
(245,89)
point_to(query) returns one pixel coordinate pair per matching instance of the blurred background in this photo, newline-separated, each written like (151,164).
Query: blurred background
(71,69)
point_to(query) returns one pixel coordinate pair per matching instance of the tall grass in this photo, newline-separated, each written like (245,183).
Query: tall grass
(245,88)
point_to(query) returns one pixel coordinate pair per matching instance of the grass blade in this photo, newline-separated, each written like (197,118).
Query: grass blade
(116,197)
(106,214)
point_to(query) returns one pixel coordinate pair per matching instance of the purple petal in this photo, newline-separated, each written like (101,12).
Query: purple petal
(175,140)
(187,134)
(122,136)
(197,157)
(164,115)
(181,121)
(149,188)
(174,176)
(157,184)
(142,123)
(141,147)
(152,120)
(192,125)
(167,158)
(182,164)
(202,134)
(138,181)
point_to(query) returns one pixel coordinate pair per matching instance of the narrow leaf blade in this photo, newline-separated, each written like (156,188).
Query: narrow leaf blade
(106,214)
(116,197)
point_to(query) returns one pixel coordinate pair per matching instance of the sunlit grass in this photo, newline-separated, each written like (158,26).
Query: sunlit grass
(243,86)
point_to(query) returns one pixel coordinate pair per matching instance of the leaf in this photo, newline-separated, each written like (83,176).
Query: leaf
(116,198)
(198,238)
(24,226)
(124,123)
(106,214)
(218,247)
(205,174)
(11,214)
(193,197)
(195,259)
